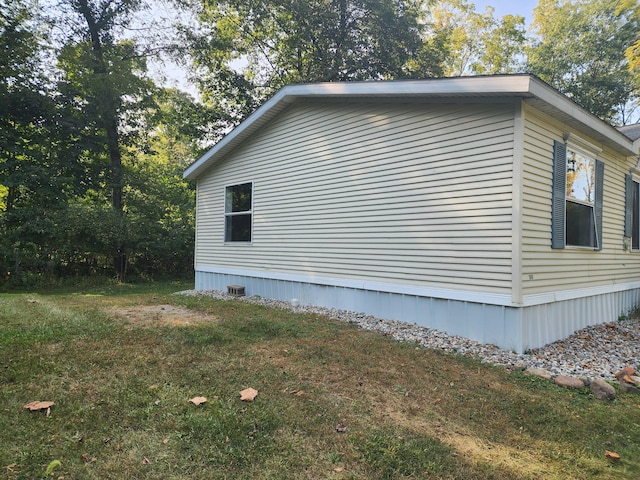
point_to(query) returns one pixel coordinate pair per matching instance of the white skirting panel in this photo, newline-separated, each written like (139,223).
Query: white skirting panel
(509,327)
(546,323)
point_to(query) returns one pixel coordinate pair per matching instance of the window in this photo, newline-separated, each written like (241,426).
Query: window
(238,212)
(577,199)
(580,198)
(632,218)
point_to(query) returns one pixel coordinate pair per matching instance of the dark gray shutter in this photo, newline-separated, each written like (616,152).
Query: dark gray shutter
(558,205)
(599,200)
(628,205)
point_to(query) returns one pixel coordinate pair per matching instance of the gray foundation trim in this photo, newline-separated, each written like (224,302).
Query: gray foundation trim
(509,327)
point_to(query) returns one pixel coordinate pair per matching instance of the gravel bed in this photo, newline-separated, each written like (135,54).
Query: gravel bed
(597,351)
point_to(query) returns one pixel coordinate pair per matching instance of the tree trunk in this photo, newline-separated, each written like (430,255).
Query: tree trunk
(11,198)
(119,257)
(109,116)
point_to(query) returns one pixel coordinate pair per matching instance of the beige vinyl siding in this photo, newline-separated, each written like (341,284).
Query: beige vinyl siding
(397,193)
(545,269)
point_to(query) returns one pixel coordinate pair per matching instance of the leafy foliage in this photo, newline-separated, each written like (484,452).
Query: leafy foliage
(279,42)
(90,165)
(477,43)
(581,52)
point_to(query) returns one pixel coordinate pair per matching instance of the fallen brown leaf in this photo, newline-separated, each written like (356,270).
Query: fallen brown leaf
(198,400)
(248,394)
(341,428)
(612,455)
(338,469)
(146,461)
(34,406)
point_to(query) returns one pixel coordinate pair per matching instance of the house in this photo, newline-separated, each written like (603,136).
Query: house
(489,207)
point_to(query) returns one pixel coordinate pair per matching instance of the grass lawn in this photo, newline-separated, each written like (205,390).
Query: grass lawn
(121,363)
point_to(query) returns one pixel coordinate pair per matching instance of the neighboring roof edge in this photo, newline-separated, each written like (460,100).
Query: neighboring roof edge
(631,131)
(519,85)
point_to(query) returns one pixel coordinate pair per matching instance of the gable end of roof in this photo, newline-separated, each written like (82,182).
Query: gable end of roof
(524,86)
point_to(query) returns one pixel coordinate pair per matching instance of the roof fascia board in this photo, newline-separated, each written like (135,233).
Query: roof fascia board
(454,86)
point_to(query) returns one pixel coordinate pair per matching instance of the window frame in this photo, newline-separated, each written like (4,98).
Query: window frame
(559,192)
(230,214)
(632,212)
(581,204)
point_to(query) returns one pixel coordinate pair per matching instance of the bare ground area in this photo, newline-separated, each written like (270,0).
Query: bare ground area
(157,315)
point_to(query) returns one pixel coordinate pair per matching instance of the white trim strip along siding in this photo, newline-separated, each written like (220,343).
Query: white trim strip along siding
(390,193)
(465,296)
(434,292)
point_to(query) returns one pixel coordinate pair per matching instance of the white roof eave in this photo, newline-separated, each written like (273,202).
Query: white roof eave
(573,114)
(523,86)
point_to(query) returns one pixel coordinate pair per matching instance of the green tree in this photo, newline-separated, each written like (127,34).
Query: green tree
(289,41)
(91,152)
(107,76)
(580,50)
(632,53)
(34,179)
(160,203)
(504,47)
(20,116)
(477,43)
(160,216)
(244,51)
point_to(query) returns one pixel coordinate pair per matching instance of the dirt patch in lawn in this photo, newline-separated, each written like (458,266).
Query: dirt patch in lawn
(153,315)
